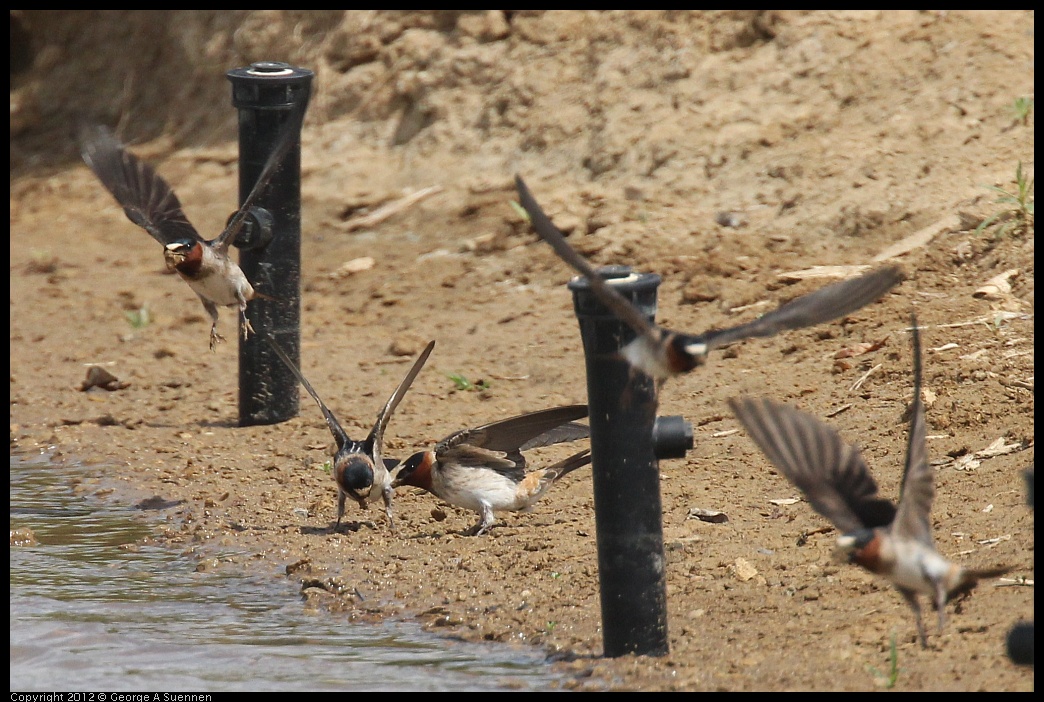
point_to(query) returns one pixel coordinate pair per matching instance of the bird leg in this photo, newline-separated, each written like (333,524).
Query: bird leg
(212,310)
(911,599)
(387,495)
(244,322)
(340,509)
(940,603)
(484,523)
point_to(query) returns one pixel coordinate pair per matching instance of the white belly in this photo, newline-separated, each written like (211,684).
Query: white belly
(224,284)
(472,489)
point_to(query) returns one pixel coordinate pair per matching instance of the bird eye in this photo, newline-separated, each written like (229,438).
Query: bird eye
(410,464)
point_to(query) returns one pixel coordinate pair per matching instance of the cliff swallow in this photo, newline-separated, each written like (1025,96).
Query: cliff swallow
(149,202)
(662,353)
(483,469)
(894,542)
(359,467)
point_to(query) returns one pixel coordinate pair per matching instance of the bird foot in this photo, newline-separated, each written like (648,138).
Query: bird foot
(215,338)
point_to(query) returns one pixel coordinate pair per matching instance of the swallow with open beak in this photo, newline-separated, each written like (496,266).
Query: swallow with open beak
(149,202)
(483,469)
(662,353)
(894,542)
(359,467)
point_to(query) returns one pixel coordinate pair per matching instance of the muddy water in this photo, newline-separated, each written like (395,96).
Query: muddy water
(93,611)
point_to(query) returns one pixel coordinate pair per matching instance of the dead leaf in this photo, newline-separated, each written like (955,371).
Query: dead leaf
(929,397)
(708,515)
(920,238)
(392,208)
(356,265)
(822,272)
(999,448)
(861,348)
(997,287)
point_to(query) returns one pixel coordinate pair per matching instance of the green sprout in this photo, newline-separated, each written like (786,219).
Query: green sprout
(519,210)
(1022,107)
(1017,217)
(139,318)
(462,383)
(888,681)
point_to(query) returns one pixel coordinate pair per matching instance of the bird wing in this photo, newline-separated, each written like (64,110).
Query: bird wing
(340,435)
(572,431)
(464,455)
(542,428)
(376,438)
(499,445)
(812,456)
(918,491)
(617,303)
(145,197)
(285,139)
(829,302)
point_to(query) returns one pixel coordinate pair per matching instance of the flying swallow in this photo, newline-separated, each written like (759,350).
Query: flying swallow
(483,469)
(662,353)
(359,467)
(150,202)
(892,541)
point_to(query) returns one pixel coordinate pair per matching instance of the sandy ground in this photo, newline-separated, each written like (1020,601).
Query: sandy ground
(817,139)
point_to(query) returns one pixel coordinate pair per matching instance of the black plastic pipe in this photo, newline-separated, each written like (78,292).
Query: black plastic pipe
(267,95)
(1021,636)
(626,439)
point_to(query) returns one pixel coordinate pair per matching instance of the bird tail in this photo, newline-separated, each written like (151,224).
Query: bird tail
(970,578)
(270,298)
(568,465)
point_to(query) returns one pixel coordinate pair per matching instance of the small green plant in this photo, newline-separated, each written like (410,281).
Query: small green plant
(888,681)
(139,318)
(1017,217)
(519,210)
(328,466)
(462,383)
(1022,107)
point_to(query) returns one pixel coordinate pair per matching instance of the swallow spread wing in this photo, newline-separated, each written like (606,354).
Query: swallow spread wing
(661,353)
(145,196)
(483,468)
(816,460)
(359,467)
(895,542)
(150,202)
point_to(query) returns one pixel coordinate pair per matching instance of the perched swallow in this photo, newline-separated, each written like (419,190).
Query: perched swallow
(894,542)
(662,353)
(150,203)
(483,469)
(359,467)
